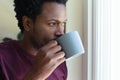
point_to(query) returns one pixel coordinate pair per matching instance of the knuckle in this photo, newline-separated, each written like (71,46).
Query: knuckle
(43,51)
(50,60)
(59,47)
(63,54)
(54,42)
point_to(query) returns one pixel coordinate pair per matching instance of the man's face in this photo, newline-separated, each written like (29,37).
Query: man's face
(49,24)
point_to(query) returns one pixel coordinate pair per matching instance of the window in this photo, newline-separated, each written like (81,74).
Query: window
(103,39)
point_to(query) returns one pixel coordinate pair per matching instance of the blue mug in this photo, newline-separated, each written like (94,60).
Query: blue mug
(71,44)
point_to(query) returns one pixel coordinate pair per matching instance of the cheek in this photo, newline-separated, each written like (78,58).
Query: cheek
(49,34)
(44,36)
(44,32)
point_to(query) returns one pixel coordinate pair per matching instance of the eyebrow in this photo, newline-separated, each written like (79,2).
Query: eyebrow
(57,20)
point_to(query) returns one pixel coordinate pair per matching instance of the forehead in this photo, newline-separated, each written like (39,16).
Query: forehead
(52,10)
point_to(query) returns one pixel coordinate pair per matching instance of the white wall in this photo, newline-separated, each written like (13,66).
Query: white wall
(8,27)
(8,22)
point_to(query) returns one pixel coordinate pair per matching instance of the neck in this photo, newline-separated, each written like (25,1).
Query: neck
(26,45)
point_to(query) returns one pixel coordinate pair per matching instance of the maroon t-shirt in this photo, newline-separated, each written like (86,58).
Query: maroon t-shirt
(15,63)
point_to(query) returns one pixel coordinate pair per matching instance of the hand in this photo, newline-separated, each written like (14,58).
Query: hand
(48,58)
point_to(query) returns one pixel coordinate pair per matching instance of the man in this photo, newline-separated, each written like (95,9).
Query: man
(37,56)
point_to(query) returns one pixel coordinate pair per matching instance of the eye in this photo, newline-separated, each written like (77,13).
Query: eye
(52,24)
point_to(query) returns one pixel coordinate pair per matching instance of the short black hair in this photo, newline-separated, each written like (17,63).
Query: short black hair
(30,8)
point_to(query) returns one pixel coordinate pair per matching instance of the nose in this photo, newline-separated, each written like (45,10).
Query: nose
(60,31)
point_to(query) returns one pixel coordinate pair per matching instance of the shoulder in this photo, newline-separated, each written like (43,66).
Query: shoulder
(6,47)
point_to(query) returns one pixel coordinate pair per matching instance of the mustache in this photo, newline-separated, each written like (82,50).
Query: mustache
(57,36)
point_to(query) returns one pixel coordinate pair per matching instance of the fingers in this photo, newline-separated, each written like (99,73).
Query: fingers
(59,58)
(58,62)
(55,49)
(59,55)
(51,44)
(52,47)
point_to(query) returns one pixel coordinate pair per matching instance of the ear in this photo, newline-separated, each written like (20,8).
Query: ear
(27,23)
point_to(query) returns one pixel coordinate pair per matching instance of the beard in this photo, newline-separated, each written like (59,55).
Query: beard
(38,43)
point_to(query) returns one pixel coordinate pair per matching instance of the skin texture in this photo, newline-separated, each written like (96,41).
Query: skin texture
(39,40)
